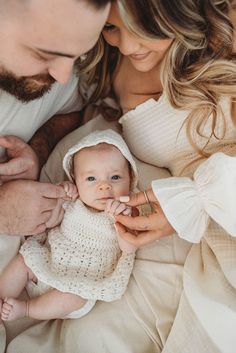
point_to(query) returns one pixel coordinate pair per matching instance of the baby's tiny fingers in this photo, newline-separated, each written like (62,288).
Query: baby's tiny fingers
(120,208)
(115,204)
(108,205)
(127,211)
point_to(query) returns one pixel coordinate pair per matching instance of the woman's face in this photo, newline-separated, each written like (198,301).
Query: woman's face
(143,54)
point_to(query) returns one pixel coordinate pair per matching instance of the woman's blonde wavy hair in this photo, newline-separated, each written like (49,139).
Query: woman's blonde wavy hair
(200,66)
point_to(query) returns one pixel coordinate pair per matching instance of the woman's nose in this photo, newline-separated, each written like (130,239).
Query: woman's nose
(129,44)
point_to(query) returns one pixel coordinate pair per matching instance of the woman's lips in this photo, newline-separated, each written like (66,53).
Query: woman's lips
(139,57)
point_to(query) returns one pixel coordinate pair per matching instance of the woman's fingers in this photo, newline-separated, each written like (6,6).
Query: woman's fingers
(141,223)
(141,239)
(139,198)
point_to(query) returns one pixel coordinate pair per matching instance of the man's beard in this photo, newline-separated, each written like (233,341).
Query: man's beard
(25,89)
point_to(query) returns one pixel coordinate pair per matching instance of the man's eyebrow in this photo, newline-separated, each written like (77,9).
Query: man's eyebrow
(57,53)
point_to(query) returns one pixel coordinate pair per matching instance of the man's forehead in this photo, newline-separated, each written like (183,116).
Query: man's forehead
(59,21)
(20,6)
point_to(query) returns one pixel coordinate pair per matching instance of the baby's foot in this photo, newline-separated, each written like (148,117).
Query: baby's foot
(13,309)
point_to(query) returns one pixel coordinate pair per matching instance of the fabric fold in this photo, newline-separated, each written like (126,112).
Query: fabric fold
(188,204)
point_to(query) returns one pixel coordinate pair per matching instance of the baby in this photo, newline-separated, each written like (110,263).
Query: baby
(82,259)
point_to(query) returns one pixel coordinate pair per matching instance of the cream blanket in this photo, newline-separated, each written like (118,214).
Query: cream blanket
(154,315)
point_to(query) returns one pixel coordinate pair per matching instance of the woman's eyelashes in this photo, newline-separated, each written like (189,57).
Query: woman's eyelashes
(109,27)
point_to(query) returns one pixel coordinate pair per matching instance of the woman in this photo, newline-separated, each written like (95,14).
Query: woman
(180,54)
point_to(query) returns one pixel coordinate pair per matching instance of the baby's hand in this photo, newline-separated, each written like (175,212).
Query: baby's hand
(115,207)
(70,189)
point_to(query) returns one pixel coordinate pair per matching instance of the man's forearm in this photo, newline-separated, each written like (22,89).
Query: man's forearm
(45,139)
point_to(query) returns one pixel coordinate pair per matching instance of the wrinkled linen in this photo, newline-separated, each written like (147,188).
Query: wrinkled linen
(181,297)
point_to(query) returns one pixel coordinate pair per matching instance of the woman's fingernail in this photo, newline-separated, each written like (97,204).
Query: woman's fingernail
(124,199)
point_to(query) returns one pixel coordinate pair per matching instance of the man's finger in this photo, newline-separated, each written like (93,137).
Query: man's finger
(12,167)
(11,142)
(52,191)
(12,177)
(49,204)
(56,217)
(139,223)
(45,216)
(39,229)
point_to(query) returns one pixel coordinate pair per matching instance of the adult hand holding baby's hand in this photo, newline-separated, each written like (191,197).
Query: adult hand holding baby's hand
(142,230)
(70,194)
(115,207)
(27,206)
(70,190)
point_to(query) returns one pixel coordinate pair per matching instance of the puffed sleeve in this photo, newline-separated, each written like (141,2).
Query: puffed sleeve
(188,204)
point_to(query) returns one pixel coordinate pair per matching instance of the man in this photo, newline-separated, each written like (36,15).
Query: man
(40,42)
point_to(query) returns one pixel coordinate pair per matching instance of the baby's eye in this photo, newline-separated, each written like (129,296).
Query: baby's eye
(116,177)
(109,27)
(90,178)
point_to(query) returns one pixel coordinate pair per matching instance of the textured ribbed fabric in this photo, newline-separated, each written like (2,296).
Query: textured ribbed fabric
(155,133)
(199,201)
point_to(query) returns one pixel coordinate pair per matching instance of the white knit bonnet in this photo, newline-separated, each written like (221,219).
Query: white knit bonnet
(105,136)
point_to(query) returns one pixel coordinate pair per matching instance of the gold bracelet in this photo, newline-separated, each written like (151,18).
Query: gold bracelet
(146,197)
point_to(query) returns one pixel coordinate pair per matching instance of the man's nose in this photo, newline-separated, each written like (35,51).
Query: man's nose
(104,185)
(61,69)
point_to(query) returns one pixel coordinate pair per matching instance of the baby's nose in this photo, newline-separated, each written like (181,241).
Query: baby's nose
(105,186)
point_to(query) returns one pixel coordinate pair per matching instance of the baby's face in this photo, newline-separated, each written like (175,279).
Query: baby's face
(101,173)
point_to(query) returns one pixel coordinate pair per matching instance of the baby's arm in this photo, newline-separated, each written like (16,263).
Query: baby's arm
(115,207)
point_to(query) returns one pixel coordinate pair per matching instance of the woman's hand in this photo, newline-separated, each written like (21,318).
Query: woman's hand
(142,230)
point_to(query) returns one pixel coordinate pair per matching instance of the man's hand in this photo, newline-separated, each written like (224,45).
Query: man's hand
(22,160)
(70,190)
(26,206)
